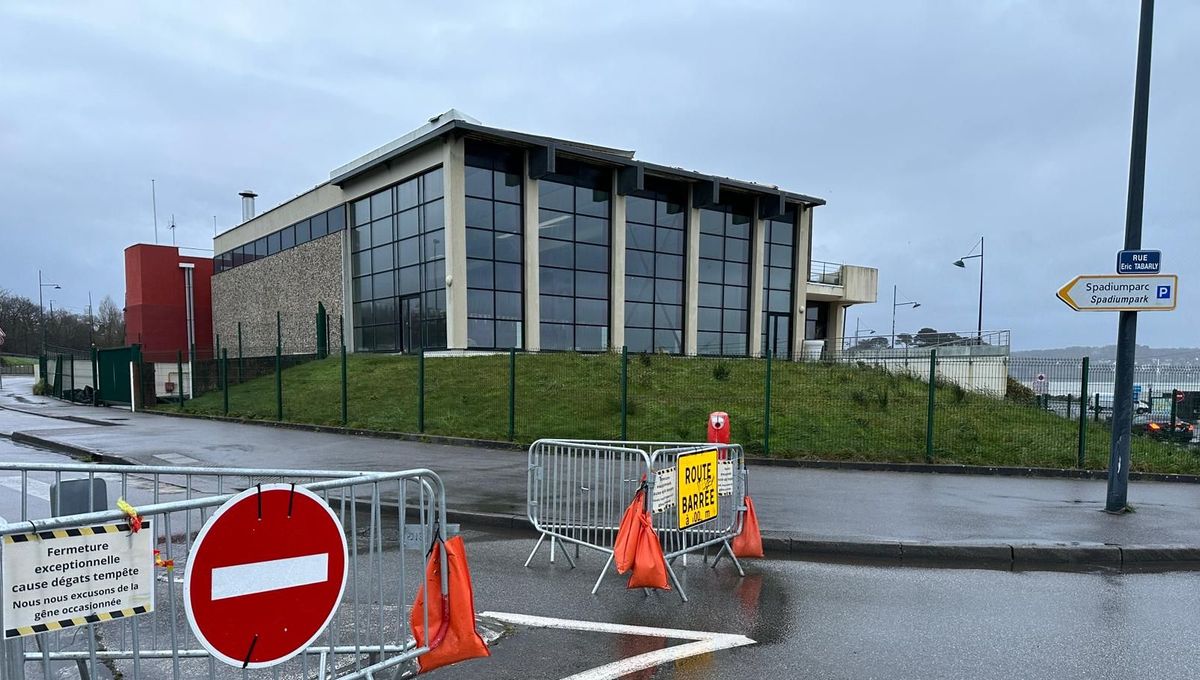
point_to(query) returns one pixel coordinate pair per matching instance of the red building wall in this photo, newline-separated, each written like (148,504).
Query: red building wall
(156,305)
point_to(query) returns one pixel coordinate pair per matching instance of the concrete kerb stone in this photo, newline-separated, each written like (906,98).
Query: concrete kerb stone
(1070,554)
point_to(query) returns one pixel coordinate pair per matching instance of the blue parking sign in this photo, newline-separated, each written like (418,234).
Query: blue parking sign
(1164,292)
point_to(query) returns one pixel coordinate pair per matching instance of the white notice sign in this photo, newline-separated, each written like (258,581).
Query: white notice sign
(663,496)
(725,478)
(73,577)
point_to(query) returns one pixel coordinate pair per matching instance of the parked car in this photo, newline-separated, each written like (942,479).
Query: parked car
(1159,428)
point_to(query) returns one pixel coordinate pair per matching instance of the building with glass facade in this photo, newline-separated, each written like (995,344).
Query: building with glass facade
(461,237)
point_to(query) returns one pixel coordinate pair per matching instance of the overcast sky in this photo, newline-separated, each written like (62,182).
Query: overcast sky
(924,124)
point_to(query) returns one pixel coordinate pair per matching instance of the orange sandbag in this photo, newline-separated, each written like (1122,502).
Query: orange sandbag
(649,566)
(625,547)
(749,542)
(451,615)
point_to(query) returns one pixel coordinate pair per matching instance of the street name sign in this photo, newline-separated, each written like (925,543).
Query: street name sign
(1139,261)
(1109,293)
(265,575)
(73,577)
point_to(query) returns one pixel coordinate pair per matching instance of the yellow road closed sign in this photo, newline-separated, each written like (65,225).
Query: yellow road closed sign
(697,485)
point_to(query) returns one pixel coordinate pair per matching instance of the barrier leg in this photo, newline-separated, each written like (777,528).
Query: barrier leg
(552,541)
(535,549)
(736,562)
(566,554)
(602,573)
(675,580)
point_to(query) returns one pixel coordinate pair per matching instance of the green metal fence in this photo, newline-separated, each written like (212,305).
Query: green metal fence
(990,410)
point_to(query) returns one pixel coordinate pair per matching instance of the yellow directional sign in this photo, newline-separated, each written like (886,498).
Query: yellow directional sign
(697,488)
(1112,293)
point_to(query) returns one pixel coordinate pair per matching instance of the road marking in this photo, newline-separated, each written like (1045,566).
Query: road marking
(704,642)
(176,458)
(40,489)
(262,577)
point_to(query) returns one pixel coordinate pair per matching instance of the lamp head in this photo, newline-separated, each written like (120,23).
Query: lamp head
(916,304)
(960,263)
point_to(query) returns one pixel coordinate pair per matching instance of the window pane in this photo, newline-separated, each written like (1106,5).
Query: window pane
(361,262)
(381,231)
(712,222)
(557,281)
(508,306)
(639,340)
(410,280)
(556,225)
(385,338)
(318,226)
(479,182)
(591,338)
(556,336)
(590,201)
(668,341)
(712,246)
(638,209)
(591,311)
(479,274)
(336,220)
(737,250)
(670,292)
(384,285)
(709,319)
(303,235)
(669,241)
(555,253)
(781,256)
(710,295)
(481,333)
(385,310)
(734,321)
(508,276)
(711,271)
(507,217)
(273,243)
(735,297)
(591,258)
(479,213)
(591,230)
(639,236)
(479,303)
(434,275)
(363,313)
(433,245)
(708,343)
(406,194)
(435,215)
(381,258)
(287,238)
(407,224)
(381,204)
(558,309)
(637,288)
(639,314)
(669,266)
(507,186)
(736,274)
(433,185)
(639,263)
(738,226)
(555,195)
(782,232)
(508,247)
(671,214)
(361,288)
(778,278)
(508,334)
(479,243)
(362,211)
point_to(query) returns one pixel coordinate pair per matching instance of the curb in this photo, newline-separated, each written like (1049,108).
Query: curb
(866,466)
(996,556)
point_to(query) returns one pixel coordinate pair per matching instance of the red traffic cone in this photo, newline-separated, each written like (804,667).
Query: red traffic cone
(454,636)
(749,542)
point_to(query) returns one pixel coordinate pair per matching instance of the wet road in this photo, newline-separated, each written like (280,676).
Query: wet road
(824,620)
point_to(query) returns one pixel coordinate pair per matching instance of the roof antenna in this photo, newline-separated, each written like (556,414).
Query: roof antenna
(172,228)
(154,207)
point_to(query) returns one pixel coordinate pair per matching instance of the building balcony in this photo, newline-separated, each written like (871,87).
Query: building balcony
(845,283)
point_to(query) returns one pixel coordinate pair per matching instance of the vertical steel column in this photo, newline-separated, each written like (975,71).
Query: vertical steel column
(239,352)
(224,371)
(512,394)
(767,406)
(932,403)
(421,390)
(1116,500)
(1083,388)
(178,376)
(278,369)
(624,392)
(342,338)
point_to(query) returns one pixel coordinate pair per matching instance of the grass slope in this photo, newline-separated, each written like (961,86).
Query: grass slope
(818,411)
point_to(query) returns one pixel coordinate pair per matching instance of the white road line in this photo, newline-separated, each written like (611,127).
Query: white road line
(261,577)
(37,489)
(703,642)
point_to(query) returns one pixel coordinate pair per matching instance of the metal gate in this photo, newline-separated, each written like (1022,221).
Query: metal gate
(389,519)
(113,373)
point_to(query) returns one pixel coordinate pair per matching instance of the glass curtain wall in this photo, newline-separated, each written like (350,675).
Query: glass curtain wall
(494,245)
(398,260)
(724,296)
(655,234)
(779,256)
(573,243)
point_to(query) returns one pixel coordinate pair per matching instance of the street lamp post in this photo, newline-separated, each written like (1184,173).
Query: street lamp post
(42,308)
(896,304)
(961,263)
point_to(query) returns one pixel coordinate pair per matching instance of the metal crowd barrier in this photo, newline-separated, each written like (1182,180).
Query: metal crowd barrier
(577,491)
(390,519)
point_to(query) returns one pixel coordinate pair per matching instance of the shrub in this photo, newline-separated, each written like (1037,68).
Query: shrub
(39,388)
(720,371)
(1019,393)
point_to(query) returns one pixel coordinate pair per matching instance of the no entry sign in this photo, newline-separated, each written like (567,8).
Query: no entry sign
(265,575)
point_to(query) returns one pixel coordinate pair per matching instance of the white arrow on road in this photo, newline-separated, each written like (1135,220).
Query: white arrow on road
(704,642)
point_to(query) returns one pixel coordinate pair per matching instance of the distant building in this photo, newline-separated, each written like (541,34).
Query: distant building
(459,236)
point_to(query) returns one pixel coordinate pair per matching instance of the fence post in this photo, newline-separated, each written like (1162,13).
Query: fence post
(1083,388)
(932,402)
(1096,409)
(239,352)
(342,338)
(178,376)
(72,376)
(1174,410)
(223,370)
(95,378)
(192,372)
(421,390)
(767,409)
(1070,402)
(512,393)
(217,358)
(624,392)
(278,368)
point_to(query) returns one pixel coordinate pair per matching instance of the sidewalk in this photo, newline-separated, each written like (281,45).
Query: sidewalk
(1014,521)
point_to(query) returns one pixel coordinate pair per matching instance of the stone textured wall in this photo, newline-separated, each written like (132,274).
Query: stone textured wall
(291,282)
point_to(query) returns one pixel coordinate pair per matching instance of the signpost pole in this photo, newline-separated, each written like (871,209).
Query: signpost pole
(1118,462)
